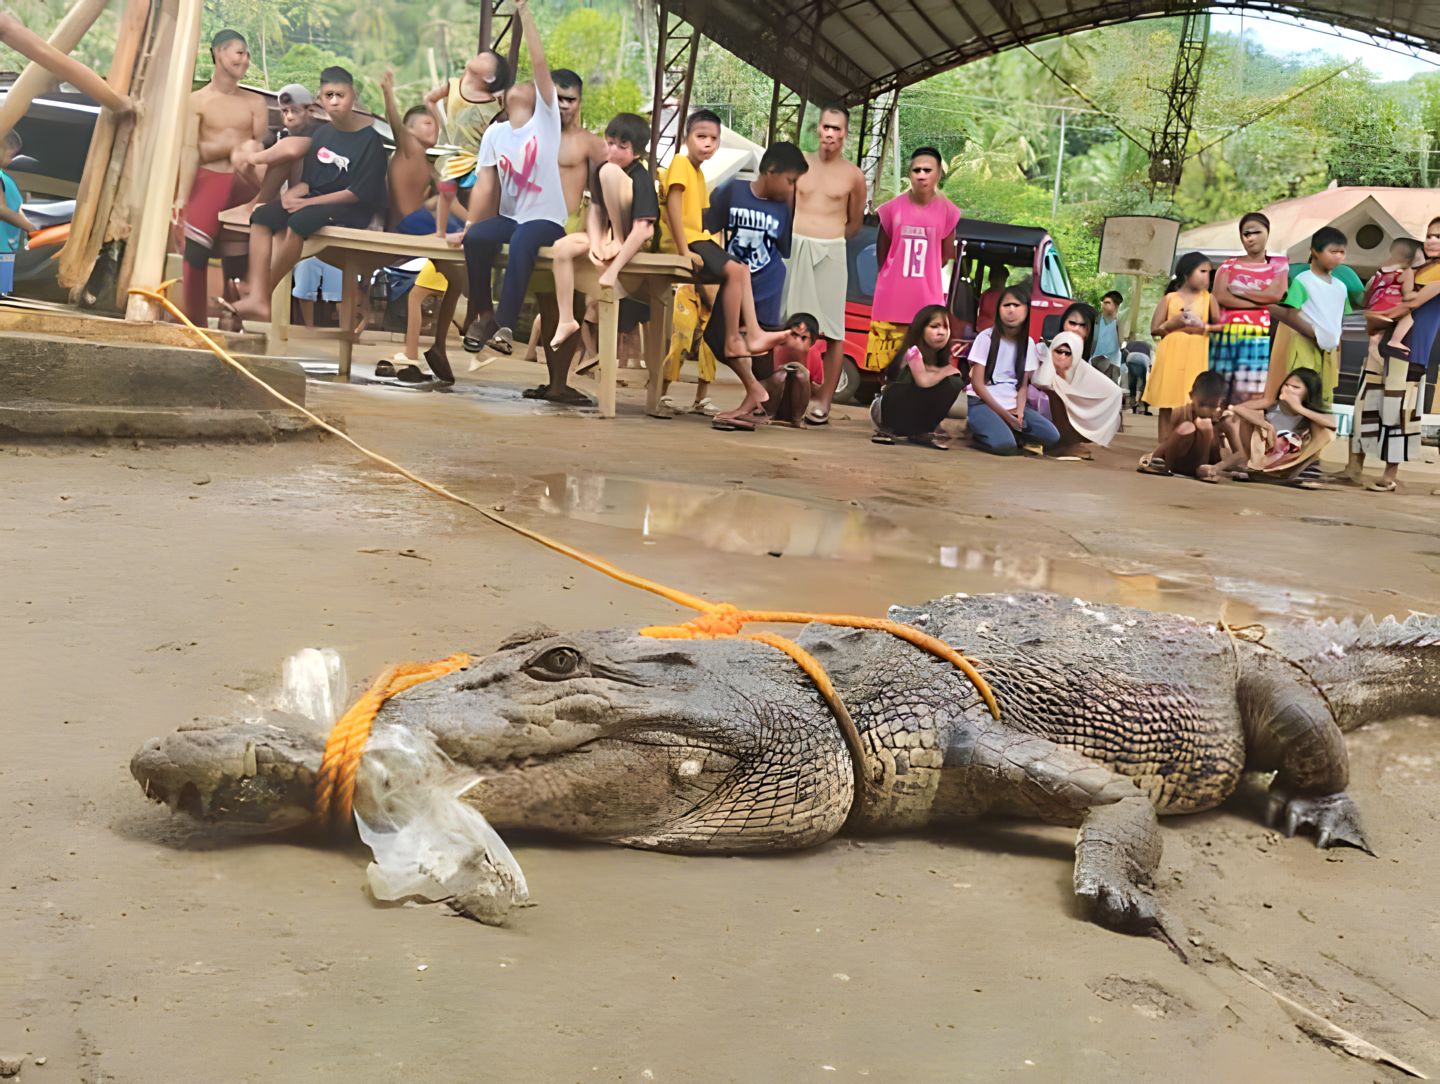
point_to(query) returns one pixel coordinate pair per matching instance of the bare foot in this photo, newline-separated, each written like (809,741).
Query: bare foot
(608,278)
(563,331)
(749,406)
(754,347)
(248,308)
(735,347)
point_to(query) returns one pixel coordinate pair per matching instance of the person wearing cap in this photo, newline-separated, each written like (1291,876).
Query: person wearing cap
(221,118)
(299,117)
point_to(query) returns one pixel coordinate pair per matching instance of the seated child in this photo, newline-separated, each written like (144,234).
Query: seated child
(622,216)
(1001,359)
(1197,431)
(1385,298)
(1277,440)
(921,384)
(795,338)
(342,182)
(799,374)
(268,168)
(686,199)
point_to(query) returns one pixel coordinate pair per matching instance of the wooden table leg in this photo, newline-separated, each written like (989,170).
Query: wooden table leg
(657,343)
(349,269)
(279,332)
(609,357)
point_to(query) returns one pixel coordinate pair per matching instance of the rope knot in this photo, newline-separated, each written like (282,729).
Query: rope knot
(719,623)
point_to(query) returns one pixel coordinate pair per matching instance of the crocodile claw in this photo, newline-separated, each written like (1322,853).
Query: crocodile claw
(1332,817)
(1127,908)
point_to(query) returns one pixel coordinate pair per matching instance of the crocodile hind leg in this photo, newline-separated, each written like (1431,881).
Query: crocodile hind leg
(1291,731)
(1118,846)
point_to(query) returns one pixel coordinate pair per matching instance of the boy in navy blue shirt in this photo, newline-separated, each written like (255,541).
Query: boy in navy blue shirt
(755,218)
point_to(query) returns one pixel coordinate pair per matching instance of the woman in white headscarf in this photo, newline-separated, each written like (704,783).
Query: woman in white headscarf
(1084,403)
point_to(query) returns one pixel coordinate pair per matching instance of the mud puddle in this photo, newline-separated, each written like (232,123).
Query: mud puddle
(738,519)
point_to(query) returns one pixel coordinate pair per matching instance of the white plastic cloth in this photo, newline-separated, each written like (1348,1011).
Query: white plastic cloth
(427,841)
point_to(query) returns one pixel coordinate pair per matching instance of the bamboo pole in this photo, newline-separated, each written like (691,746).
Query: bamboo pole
(152,235)
(52,58)
(87,228)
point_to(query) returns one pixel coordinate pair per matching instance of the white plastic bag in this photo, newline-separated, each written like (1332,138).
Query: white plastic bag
(313,684)
(426,840)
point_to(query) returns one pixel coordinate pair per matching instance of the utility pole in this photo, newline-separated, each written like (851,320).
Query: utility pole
(1059,165)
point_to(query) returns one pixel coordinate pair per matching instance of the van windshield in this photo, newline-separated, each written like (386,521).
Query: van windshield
(1053,279)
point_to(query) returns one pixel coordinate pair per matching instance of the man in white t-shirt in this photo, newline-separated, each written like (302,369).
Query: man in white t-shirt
(518,200)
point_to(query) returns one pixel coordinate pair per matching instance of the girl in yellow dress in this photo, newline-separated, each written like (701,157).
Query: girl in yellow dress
(1181,326)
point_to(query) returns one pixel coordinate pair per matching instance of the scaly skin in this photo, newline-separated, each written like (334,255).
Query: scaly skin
(1110,716)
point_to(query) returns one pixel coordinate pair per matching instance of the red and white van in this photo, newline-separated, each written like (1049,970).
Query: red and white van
(1026,254)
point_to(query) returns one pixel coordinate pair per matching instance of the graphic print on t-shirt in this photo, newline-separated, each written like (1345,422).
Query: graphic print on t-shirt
(521,179)
(326,157)
(749,227)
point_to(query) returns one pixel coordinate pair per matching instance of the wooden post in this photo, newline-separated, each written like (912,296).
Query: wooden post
(609,355)
(50,59)
(152,235)
(87,228)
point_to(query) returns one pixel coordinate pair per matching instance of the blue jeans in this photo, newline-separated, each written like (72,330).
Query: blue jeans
(482,245)
(992,434)
(422,221)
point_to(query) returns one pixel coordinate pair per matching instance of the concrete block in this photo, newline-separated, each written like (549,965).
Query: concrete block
(79,373)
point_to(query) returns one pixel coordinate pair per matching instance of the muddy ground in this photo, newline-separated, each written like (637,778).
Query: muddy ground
(147,586)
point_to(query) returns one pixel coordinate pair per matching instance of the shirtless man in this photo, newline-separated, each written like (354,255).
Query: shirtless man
(580,151)
(829,210)
(222,118)
(411,179)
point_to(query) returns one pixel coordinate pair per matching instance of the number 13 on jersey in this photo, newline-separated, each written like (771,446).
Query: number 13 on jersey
(912,256)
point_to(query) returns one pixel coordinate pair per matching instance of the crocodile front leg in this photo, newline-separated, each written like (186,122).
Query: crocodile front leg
(1118,847)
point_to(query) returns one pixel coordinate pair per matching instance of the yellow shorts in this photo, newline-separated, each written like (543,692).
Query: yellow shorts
(883,343)
(686,323)
(431,279)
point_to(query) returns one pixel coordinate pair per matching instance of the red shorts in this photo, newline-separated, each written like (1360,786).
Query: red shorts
(212,193)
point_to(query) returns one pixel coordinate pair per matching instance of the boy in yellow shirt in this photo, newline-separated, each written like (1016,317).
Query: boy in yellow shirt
(686,199)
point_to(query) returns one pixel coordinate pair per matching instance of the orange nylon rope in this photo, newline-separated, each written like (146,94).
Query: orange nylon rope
(335,782)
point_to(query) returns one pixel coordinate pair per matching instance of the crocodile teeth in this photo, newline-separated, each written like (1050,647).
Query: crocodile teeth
(248,766)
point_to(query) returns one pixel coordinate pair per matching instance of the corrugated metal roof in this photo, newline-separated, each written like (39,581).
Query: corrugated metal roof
(865,47)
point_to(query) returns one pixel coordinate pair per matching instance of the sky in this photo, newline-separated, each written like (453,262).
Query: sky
(1291,37)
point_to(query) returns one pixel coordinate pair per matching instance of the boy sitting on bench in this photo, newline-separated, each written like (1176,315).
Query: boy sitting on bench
(341,183)
(623,212)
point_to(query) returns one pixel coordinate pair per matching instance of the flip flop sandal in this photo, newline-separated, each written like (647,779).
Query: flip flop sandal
(1148,465)
(817,418)
(537,392)
(882,438)
(411,374)
(476,334)
(385,370)
(1068,458)
(570,397)
(733,425)
(705,407)
(928,441)
(1381,487)
(501,344)
(1399,353)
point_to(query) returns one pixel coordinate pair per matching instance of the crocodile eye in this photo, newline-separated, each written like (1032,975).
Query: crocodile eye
(556,664)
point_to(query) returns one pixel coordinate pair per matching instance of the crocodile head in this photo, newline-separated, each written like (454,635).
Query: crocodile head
(252,775)
(677,745)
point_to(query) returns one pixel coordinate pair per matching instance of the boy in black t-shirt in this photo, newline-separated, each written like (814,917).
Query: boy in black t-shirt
(622,217)
(341,182)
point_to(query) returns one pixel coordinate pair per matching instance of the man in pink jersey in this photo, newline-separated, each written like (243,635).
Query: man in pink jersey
(916,241)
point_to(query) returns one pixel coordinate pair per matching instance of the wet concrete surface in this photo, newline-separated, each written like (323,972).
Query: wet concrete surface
(148,586)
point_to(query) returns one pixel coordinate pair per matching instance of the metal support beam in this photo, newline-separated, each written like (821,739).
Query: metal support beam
(876,120)
(787,105)
(677,48)
(499,31)
(1168,145)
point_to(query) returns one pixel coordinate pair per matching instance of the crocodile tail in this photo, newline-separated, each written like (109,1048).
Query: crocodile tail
(1374,670)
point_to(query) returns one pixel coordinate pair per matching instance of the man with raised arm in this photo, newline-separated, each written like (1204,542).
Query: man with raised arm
(580,151)
(518,187)
(221,118)
(829,210)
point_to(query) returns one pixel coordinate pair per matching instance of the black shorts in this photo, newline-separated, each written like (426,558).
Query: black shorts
(307,220)
(713,259)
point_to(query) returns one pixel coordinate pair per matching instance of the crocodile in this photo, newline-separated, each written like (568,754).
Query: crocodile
(1109,716)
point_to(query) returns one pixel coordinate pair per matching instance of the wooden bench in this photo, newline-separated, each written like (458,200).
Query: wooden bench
(648,278)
